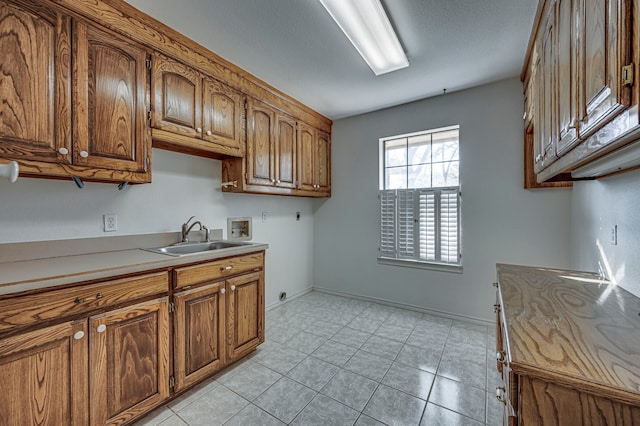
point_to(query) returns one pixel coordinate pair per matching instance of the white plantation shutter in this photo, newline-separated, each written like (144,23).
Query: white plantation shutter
(406,216)
(420,224)
(427,224)
(449,225)
(387,245)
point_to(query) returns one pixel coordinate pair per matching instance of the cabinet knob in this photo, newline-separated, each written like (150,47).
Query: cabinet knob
(223,291)
(63,151)
(79,335)
(199,130)
(209,133)
(233,287)
(84,154)
(101,328)
(273,181)
(278,181)
(226,268)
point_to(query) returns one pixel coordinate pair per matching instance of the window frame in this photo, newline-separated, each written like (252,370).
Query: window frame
(415,261)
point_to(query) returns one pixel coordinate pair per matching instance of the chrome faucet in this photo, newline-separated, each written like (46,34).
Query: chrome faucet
(186,228)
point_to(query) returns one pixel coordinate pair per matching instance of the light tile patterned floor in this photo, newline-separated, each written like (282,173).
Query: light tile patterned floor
(330,360)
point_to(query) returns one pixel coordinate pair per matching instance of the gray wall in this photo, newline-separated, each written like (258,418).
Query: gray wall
(183,185)
(596,207)
(501,222)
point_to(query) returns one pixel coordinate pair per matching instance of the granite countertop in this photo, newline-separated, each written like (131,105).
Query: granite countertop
(33,274)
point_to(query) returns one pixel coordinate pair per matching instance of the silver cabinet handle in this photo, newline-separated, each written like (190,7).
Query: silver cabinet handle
(84,154)
(226,268)
(101,328)
(63,151)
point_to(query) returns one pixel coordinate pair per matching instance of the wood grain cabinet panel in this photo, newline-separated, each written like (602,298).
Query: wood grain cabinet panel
(44,378)
(129,361)
(35,112)
(260,144)
(285,152)
(195,113)
(199,334)
(111,131)
(314,160)
(245,314)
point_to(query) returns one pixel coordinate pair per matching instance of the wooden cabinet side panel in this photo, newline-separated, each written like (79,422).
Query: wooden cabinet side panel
(129,361)
(35,113)
(44,376)
(199,342)
(545,403)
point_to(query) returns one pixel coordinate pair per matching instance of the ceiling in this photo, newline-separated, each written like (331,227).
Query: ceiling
(295,46)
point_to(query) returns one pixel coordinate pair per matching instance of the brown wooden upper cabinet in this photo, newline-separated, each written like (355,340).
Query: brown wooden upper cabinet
(579,75)
(35,113)
(314,153)
(194,113)
(284,156)
(110,82)
(72,106)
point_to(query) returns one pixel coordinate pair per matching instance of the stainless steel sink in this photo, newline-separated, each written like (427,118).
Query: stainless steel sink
(183,249)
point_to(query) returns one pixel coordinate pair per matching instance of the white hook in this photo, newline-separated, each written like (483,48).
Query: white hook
(10,171)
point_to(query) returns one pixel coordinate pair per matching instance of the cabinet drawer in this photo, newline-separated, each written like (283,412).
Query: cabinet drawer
(56,304)
(222,268)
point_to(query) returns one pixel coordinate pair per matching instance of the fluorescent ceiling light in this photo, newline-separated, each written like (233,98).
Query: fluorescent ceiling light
(368,28)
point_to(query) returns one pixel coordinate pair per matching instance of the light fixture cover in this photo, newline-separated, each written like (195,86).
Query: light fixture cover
(367,26)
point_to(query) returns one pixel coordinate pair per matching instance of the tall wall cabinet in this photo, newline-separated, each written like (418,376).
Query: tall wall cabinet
(581,99)
(91,86)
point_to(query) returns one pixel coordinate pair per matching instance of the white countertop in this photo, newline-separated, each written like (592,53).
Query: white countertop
(24,275)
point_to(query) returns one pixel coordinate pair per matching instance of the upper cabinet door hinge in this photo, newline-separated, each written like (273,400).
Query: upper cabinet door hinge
(150,116)
(172,307)
(172,382)
(148,63)
(627,75)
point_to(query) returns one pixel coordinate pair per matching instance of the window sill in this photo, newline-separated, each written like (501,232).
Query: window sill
(407,263)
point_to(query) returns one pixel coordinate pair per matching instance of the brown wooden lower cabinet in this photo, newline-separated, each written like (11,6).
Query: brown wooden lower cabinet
(567,349)
(216,321)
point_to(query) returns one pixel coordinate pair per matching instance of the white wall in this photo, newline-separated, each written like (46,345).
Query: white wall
(596,207)
(501,222)
(39,209)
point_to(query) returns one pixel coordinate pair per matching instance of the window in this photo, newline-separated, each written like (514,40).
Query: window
(420,198)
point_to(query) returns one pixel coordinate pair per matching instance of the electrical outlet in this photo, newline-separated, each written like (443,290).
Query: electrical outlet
(110,222)
(265,217)
(614,235)
(297,215)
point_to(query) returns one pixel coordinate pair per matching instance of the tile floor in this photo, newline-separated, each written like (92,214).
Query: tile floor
(330,360)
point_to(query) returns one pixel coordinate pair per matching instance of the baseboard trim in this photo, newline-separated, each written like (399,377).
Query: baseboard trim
(289,299)
(436,312)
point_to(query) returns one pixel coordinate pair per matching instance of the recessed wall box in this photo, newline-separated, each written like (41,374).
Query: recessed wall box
(239,228)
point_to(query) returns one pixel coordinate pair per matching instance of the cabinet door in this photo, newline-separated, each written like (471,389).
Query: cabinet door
(306,154)
(35,112)
(323,162)
(285,152)
(177,97)
(223,117)
(260,143)
(110,91)
(567,71)
(544,147)
(44,376)
(605,49)
(245,314)
(198,334)
(129,361)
